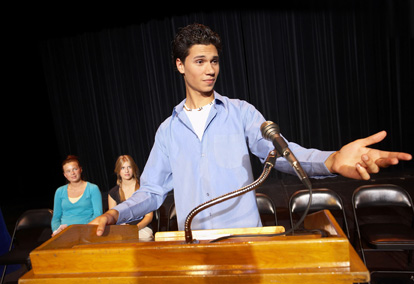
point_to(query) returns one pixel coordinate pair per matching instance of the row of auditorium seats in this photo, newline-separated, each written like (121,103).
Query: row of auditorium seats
(383,219)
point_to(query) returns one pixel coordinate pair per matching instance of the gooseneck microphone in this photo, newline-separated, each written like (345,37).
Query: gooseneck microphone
(270,131)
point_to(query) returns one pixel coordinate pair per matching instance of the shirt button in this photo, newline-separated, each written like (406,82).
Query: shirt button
(208,194)
(203,155)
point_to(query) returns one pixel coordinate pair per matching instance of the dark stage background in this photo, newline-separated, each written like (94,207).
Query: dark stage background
(97,84)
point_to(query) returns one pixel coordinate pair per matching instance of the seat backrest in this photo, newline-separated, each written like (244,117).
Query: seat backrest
(382,203)
(33,228)
(266,206)
(381,195)
(322,198)
(34,218)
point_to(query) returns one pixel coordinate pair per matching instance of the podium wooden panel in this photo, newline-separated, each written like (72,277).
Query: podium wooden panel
(77,255)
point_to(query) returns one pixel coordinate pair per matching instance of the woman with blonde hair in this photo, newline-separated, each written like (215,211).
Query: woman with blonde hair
(126,184)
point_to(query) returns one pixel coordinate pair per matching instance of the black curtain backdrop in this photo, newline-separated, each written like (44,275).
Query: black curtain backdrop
(326,74)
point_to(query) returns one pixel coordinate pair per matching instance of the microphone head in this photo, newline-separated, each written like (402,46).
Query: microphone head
(269,129)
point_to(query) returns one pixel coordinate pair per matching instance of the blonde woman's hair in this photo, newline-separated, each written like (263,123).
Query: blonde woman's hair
(135,173)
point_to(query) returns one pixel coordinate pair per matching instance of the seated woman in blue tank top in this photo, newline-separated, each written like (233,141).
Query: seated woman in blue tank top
(78,201)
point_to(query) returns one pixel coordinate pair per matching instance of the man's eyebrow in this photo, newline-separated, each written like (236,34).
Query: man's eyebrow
(203,56)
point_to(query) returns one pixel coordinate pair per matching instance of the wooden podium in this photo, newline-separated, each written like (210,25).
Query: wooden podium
(77,255)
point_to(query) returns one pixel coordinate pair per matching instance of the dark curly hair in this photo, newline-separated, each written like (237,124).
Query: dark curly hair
(191,35)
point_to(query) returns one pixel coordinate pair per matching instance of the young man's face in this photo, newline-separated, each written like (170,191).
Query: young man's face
(200,69)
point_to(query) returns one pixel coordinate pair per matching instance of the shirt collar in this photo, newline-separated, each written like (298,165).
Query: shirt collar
(217,97)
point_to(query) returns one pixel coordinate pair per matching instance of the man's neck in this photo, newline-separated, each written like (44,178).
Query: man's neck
(195,101)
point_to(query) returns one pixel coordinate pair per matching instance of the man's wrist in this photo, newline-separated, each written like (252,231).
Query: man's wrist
(112,215)
(330,162)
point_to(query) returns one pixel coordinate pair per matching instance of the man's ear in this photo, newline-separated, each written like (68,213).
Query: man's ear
(180,65)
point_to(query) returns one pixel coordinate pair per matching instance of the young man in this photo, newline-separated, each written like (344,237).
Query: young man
(202,150)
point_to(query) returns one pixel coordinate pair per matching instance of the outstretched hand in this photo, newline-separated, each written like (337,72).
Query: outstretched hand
(355,160)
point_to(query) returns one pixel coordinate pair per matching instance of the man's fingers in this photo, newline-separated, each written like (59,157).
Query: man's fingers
(402,156)
(101,226)
(362,172)
(386,162)
(387,159)
(369,164)
(108,218)
(101,221)
(375,138)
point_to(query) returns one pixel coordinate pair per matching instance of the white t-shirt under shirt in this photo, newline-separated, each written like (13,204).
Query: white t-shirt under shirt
(198,118)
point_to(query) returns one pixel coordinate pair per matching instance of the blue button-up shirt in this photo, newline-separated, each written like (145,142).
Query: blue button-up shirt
(199,171)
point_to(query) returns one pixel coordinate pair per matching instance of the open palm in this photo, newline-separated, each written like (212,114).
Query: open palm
(356,160)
